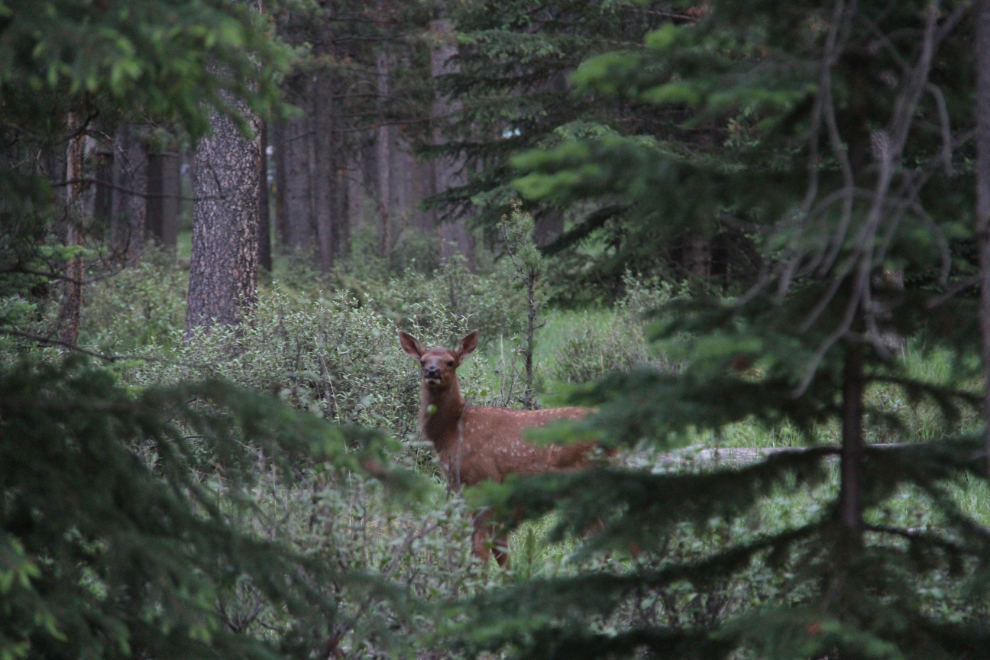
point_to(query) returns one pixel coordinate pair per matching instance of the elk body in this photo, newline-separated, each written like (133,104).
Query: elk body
(476,443)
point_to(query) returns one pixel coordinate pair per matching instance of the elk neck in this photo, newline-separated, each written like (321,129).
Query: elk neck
(440,427)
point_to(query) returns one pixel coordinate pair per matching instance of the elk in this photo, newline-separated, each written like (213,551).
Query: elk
(476,443)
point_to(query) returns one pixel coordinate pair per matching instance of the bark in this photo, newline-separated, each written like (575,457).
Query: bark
(982,58)
(103,197)
(698,257)
(383,151)
(549,225)
(281,179)
(298,186)
(323,170)
(341,229)
(422,186)
(128,208)
(71,303)
(162,202)
(851,487)
(224,264)
(454,236)
(264,219)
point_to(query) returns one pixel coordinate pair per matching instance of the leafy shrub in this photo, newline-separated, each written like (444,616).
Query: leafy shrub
(646,295)
(487,302)
(140,306)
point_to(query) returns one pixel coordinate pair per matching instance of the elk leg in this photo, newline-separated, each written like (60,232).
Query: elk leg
(479,543)
(486,539)
(501,550)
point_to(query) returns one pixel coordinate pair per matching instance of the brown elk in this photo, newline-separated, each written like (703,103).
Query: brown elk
(477,443)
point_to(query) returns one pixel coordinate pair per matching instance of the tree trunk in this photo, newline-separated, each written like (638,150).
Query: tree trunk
(71,304)
(298,186)
(224,264)
(341,230)
(103,197)
(454,235)
(982,58)
(264,217)
(130,182)
(851,487)
(698,257)
(383,150)
(422,186)
(324,172)
(281,184)
(549,225)
(162,202)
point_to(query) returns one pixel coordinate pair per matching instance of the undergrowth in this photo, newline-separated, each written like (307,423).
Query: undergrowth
(328,345)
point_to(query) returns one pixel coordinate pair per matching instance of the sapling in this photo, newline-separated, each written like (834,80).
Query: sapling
(516,230)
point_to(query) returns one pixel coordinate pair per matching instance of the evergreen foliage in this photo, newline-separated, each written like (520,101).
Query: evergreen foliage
(514,65)
(68,68)
(847,159)
(513,61)
(120,512)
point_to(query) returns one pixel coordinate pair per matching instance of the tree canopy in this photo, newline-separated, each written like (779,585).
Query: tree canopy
(847,159)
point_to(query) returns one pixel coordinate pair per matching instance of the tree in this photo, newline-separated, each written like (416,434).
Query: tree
(849,162)
(105,554)
(506,90)
(360,89)
(223,269)
(114,61)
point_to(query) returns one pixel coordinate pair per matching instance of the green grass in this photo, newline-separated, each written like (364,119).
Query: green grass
(183,248)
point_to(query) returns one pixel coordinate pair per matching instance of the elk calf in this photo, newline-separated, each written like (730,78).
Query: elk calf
(477,443)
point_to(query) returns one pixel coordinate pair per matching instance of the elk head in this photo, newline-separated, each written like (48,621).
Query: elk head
(438,365)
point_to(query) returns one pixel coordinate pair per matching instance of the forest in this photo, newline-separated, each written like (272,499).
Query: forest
(728,262)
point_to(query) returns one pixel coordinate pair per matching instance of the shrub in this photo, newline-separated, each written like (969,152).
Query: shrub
(140,306)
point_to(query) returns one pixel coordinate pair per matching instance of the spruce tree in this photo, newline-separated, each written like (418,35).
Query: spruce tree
(119,523)
(510,80)
(846,156)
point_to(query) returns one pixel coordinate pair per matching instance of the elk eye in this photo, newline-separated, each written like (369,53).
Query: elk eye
(450,363)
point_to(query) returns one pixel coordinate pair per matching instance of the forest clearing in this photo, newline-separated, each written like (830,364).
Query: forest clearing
(420,329)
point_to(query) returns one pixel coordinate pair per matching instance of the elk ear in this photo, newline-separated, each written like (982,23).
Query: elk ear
(411,345)
(467,345)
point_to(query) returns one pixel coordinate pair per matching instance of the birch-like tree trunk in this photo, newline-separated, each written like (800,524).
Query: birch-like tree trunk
(224,265)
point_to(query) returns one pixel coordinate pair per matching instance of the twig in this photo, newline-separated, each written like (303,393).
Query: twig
(101,356)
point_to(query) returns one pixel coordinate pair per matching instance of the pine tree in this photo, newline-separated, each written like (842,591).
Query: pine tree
(510,83)
(104,553)
(847,157)
(223,268)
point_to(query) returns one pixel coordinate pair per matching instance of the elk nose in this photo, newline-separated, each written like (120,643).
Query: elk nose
(431,372)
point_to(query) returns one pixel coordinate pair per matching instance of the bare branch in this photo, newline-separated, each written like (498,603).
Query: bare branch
(943,120)
(101,356)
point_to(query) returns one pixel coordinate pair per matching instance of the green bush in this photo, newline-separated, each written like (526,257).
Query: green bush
(451,296)
(140,306)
